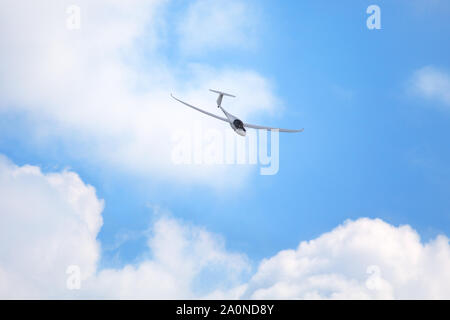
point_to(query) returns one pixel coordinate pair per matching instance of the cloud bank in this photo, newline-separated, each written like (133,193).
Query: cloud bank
(49,221)
(362,259)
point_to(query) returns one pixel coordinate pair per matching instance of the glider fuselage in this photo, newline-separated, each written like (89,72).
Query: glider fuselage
(236,124)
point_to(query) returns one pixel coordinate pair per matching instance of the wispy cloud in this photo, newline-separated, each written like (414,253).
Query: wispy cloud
(212,25)
(433,84)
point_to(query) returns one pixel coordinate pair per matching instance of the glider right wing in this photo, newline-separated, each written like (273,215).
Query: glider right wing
(203,111)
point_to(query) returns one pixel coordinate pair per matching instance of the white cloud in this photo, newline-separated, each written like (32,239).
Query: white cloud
(187,262)
(104,90)
(432,83)
(217,24)
(363,259)
(50,221)
(47,222)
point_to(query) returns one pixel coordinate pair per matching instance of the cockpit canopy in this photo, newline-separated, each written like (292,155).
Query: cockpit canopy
(238,124)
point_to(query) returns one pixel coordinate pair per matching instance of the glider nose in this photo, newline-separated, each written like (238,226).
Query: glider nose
(241,132)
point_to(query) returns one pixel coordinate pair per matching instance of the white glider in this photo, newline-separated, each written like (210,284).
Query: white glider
(234,122)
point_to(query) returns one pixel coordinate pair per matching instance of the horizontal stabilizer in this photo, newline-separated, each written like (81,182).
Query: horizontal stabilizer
(222,93)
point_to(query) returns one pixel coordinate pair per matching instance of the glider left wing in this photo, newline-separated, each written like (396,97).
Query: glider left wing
(254,126)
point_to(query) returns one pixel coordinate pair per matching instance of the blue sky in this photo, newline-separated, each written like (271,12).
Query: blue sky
(374,146)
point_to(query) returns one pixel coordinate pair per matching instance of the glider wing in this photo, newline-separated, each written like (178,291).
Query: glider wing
(203,111)
(247,125)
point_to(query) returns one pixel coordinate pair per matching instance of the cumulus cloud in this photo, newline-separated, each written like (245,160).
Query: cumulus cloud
(186,262)
(49,221)
(217,24)
(432,83)
(362,259)
(104,89)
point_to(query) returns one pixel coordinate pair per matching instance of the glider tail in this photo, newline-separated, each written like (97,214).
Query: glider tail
(221,95)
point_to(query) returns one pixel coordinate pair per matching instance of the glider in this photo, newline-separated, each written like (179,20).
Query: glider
(236,124)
